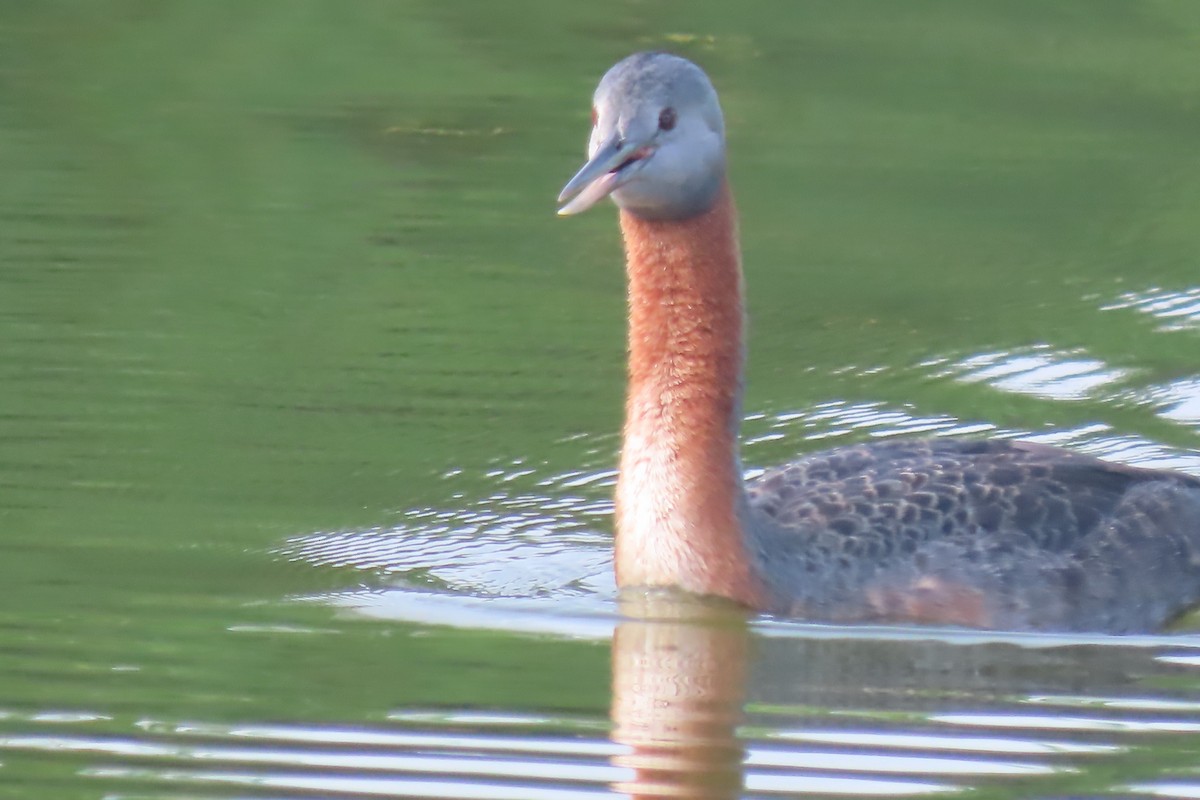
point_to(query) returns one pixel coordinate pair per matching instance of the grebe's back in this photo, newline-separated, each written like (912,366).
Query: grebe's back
(987,533)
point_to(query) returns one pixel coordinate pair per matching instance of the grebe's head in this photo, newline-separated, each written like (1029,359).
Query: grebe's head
(658,141)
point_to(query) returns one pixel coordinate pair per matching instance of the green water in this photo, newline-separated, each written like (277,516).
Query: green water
(286,267)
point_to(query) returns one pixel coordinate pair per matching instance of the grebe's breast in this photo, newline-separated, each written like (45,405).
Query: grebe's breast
(989,533)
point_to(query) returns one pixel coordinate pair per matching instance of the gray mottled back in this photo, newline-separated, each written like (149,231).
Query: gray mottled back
(1051,539)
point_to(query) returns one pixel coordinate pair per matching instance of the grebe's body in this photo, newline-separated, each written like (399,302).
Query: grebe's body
(994,534)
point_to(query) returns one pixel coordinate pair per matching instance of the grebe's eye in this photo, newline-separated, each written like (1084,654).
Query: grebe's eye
(595,116)
(666,119)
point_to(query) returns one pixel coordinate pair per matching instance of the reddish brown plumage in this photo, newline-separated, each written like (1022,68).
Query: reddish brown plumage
(680,484)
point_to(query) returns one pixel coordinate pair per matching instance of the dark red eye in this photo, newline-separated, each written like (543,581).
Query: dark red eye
(666,119)
(594,116)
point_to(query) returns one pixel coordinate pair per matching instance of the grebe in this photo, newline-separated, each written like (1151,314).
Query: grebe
(991,534)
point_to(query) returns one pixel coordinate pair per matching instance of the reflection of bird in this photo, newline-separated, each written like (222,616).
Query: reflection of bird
(982,533)
(678,683)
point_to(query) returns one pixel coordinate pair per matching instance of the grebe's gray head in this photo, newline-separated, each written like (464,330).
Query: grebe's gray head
(658,141)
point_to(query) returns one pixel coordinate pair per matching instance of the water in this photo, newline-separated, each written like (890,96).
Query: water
(309,401)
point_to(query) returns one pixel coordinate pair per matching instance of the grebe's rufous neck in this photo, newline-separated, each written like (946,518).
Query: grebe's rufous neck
(982,533)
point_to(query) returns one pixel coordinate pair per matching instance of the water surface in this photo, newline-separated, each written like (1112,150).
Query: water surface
(309,401)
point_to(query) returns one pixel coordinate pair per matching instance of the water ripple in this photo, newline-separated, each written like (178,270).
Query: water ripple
(508,754)
(1039,371)
(1178,309)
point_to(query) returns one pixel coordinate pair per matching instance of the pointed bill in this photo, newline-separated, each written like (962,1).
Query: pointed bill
(597,179)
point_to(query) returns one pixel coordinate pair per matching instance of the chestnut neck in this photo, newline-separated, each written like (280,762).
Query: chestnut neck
(680,499)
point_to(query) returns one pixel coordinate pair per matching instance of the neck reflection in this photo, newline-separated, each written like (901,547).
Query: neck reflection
(679,673)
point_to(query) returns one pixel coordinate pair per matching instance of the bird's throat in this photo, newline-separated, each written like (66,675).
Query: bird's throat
(680,501)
